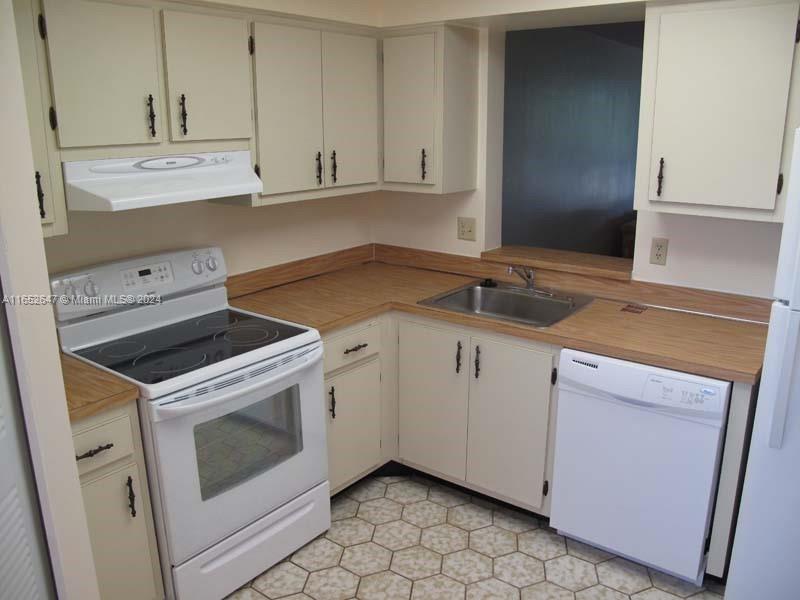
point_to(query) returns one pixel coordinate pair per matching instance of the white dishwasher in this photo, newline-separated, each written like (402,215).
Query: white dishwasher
(636,460)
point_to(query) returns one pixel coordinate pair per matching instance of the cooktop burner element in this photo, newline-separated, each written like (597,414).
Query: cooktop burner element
(166,352)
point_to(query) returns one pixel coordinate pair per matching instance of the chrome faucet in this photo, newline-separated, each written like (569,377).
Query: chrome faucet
(526,273)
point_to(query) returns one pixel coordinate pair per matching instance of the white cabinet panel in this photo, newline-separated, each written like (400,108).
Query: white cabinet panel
(103,68)
(409,107)
(354,422)
(119,539)
(433,382)
(350,105)
(509,403)
(714,96)
(208,77)
(288,76)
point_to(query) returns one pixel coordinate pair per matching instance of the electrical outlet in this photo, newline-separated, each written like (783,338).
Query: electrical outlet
(658,251)
(466,228)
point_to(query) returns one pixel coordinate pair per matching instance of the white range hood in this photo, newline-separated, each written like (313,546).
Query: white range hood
(126,183)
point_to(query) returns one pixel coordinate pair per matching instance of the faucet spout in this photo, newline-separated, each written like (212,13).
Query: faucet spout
(525,273)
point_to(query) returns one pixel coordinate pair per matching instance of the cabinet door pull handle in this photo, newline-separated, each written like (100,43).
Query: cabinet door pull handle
(356,348)
(334,166)
(319,168)
(40,195)
(332,409)
(131,496)
(94,451)
(660,176)
(151,115)
(458,357)
(184,114)
(477,361)
(423,164)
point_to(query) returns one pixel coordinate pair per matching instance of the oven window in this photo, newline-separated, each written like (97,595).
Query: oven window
(235,447)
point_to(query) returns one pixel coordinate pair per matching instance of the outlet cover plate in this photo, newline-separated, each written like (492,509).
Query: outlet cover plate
(658,251)
(466,228)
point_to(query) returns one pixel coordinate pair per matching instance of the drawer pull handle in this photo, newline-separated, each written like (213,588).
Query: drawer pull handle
(477,361)
(131,496)
(332,409)
(458,357)
(94,451)
(356,348)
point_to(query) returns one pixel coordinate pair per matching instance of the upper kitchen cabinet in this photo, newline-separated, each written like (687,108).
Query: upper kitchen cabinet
(288,74)
(715,84)
(316,111)
(208,77)
(104,72)
(430,102)
(350,108)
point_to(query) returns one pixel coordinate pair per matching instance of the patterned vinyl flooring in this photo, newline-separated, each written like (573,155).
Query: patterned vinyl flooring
(401,538)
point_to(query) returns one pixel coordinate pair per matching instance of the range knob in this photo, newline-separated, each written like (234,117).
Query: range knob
(197,266)
(211,263)
(90,289)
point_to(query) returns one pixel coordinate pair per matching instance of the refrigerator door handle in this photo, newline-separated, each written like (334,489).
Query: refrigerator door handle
(781,352)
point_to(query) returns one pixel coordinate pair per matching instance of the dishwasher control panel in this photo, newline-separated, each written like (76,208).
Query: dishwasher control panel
(678,393)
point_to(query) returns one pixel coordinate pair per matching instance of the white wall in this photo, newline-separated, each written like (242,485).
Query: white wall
(709,253)
(250,238)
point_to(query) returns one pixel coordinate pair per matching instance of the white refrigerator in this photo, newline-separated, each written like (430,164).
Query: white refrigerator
(765,562)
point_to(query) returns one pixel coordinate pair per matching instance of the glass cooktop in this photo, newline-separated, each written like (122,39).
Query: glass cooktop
(166,352)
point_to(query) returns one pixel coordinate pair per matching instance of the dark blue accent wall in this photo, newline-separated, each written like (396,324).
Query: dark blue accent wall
(569,149)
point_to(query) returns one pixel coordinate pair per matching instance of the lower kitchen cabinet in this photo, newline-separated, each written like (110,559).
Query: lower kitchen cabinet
(509,406)
(475,410)
(116,499)
(119,534)
(354,422)
(433,387)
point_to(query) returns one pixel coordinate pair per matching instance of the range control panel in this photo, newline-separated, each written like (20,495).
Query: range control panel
(117,285)
(682,394)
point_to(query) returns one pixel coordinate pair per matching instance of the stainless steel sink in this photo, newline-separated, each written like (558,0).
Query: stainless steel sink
(536,307)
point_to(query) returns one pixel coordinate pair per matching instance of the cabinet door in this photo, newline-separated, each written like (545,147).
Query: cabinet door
(509,402)
(288,67)
(354,422)
(720,104)
(350,107)
(103,68)
(409,86)
(119,539)
(433,380)
(208,77)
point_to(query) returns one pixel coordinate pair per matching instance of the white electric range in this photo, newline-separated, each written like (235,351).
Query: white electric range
(231,405)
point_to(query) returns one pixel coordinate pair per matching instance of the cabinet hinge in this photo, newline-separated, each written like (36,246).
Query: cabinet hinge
(554,376)
(53,119)
(42,26)
(780,183)
(251,44)
(257,169)
(545,487)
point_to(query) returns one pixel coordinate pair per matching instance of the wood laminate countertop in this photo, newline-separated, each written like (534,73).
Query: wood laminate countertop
(91,390)
(713,347)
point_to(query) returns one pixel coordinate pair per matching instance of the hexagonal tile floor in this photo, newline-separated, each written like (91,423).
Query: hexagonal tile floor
(408,538)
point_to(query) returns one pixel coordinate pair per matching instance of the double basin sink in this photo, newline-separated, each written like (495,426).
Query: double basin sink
(535,307)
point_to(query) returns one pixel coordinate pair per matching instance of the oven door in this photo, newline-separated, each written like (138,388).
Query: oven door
(233,449)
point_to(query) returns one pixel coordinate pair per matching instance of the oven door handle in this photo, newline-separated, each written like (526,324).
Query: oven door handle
(191,405)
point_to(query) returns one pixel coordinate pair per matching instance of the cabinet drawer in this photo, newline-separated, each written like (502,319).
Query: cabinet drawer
(95,441)
(351,347)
